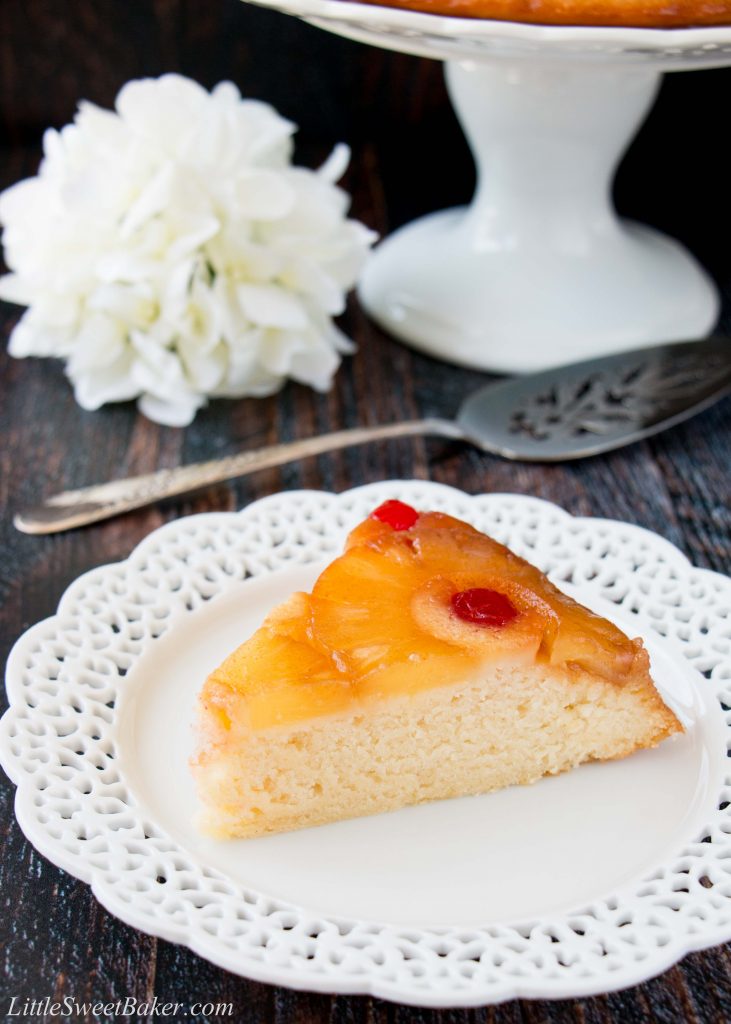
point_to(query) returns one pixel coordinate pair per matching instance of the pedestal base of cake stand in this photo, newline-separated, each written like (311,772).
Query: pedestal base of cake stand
(539,270)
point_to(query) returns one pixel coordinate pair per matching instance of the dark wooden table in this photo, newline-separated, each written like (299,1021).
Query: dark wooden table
(55,938)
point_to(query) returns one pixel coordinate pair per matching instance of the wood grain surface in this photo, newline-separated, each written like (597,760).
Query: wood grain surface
(409,158)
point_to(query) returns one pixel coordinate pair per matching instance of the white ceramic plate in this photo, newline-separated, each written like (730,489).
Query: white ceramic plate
(449,38)
(582,883)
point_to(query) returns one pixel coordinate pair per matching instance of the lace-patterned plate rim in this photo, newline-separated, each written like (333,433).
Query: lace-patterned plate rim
(56,743)
(676,45)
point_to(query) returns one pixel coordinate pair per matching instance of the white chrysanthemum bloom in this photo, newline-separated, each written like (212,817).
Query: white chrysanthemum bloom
(169,251)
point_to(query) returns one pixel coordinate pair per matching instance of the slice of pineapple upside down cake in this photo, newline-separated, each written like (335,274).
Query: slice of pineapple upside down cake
(429,661)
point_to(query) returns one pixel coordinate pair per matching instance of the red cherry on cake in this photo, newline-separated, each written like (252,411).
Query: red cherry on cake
(483,607)
(396,514)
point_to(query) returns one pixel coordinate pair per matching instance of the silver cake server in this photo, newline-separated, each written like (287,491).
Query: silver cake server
(567,413)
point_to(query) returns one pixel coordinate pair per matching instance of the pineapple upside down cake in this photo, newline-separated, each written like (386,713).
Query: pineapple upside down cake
(429,661)
(629,13)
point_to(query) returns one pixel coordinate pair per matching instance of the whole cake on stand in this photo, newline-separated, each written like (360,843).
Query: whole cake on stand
(539,270)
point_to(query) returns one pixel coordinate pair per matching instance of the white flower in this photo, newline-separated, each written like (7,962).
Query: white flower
(170,251)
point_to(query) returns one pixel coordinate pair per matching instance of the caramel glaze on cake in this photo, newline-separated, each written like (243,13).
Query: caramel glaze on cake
(429,661)
(629,13)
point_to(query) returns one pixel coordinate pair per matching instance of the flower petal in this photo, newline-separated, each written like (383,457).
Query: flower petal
(336,164)
(263,195)
(271,306)
(177,412)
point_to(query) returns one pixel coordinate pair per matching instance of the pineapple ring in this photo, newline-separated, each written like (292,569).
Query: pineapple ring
(432,611)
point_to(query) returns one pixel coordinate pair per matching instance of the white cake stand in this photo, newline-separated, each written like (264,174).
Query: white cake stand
(538,270)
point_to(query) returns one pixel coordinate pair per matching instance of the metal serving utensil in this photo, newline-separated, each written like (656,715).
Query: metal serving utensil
(567,413)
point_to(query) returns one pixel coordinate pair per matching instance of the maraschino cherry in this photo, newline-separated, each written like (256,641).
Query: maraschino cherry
(396,514)
(484,607)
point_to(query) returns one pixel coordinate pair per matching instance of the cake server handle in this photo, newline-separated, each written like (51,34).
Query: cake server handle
(102,501)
